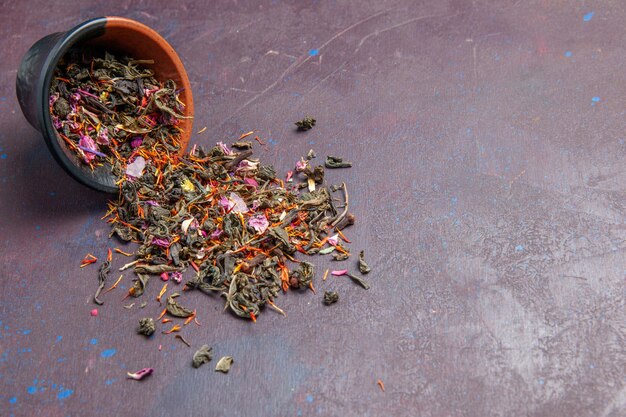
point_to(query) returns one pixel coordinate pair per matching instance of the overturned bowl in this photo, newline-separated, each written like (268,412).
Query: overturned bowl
(118,35)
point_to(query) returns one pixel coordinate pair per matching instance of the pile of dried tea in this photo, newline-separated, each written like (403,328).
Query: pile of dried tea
(230,218)
(219,212)
(108,108)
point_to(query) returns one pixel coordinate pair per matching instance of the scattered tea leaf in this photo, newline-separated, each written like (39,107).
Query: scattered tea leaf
(306,123)
(330,297)
(363,266)
(146,326)
(175,309)
(336,162)
(202,356)
(224,364)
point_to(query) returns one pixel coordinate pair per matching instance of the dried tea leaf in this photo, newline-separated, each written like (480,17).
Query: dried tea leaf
(146,326)
(336,162)
(330,297)
(327,250)
(306,123)
(175,309)
(103,273)
(363,266)
(340,256)
(242,144)
(202,356)
(224,364)
(359,281)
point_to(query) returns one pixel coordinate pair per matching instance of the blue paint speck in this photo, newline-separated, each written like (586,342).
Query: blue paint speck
(110,381)
(519,248)
(588,17)
(94,341)
(52,193)
(299,413)
(568,53)
(64,393)
(3,156)
(26,331)
(61,360)
(59,338)
(309,398)
(32,389)
(37,227)
(595,99)
(314,52)
(13,400)
(108,353)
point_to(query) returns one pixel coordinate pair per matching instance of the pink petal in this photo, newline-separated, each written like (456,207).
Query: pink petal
(177,277)
(234,203)
(216,234)
(136,142)
(224,148)
(103,136)
(289,175)
(226,203)
(87,144)
(164,243)
(135,168)
(339,273)
(333,240)
(94,312)
(259,222)
(164,276)
(301,165)
(252,182)
(139,375)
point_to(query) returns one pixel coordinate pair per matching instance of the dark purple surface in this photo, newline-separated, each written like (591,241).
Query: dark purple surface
(489,184)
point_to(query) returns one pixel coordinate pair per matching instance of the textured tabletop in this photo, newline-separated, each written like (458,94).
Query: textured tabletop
(489,187)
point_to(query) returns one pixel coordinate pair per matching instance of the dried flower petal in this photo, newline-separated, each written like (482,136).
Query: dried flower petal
(177,277)
(135,168)
(258,222)
(164,243)
(186,224)
(136,142)
(94,312)
(301,165)
(165,276)
(87,144)
(333,240)
(224,148)
(234,203)
(252,182)
(139,375)
(339,272)
(103,136)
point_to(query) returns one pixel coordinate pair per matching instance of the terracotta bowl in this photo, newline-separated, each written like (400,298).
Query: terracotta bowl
(117,35)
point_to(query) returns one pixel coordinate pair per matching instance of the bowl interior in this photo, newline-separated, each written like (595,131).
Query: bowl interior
(130,38)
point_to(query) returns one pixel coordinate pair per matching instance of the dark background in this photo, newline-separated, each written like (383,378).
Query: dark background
(489,185)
